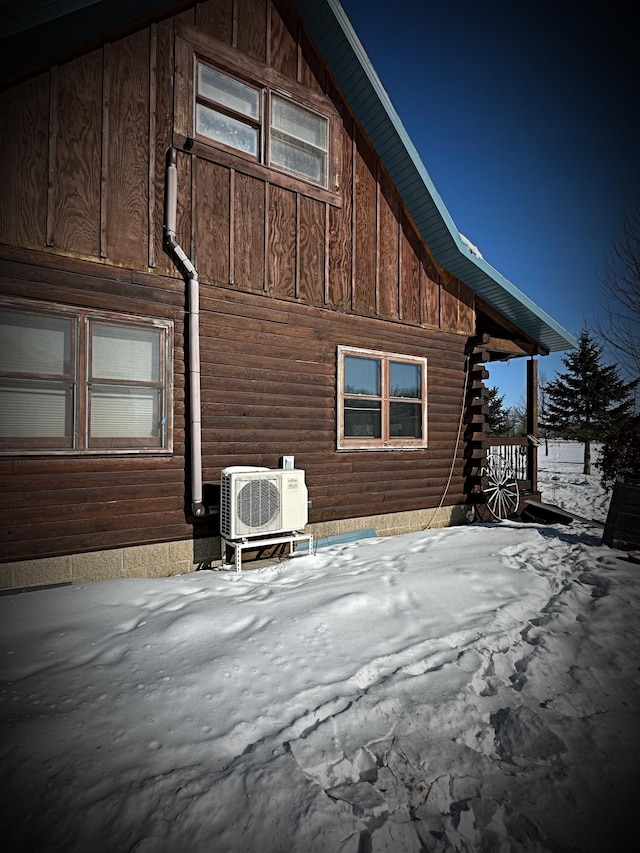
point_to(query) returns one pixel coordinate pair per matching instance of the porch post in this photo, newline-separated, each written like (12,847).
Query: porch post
(532,422)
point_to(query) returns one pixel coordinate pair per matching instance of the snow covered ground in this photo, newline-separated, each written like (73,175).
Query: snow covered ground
(465,689)
(562,482)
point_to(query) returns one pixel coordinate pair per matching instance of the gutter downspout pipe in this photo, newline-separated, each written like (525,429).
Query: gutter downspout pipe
(190,275)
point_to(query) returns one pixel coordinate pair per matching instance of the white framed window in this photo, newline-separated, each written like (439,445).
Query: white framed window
(299,140)
(37,379)
(230,112)
(80,381)
(382,400)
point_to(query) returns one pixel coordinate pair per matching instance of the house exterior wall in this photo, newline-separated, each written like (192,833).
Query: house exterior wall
(289,272)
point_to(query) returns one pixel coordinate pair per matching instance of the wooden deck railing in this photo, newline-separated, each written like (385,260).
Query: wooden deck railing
(520,454)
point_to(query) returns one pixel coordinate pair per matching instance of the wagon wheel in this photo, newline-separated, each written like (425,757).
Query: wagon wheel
(501,495)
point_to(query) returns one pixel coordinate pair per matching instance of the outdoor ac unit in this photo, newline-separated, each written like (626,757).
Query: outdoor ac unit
(262,502)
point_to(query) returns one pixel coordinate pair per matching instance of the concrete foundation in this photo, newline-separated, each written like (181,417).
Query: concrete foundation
(175,558)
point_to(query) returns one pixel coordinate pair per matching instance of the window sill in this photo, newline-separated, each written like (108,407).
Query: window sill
(382,448)
(93,452)
(238,163)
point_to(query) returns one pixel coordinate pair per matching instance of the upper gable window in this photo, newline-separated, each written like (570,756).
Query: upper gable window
(228,111)
(231,112)
(299,140)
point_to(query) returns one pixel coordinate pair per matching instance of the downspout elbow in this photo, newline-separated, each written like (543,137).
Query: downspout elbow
(198,509)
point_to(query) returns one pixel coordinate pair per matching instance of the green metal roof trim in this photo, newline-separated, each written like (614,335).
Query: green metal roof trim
(341,48)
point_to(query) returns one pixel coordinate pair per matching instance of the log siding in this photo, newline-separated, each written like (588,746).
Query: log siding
(288,273)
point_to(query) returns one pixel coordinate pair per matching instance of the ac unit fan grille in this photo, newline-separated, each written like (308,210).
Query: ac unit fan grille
(257,503)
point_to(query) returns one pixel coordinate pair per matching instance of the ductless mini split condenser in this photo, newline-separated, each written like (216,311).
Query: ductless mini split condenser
(262,501)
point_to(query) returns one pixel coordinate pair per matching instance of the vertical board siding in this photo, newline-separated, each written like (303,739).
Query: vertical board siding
(457,307)
(75,187)
(163,137)
(215,18)
(92,158)
(248,219)
(127,155)
(388,253)
(365,231)
(340,219)
(281,249)
(283,47)
(429,295)
(410,280)
(24,131)
(311,70)
(252,28)
(211,225)
(467,315)
(449,305)
(311,249)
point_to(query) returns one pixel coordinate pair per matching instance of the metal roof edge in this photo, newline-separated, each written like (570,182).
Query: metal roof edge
(557,339)
(339,44)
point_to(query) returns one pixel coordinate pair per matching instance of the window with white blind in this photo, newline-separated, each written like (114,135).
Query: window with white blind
(78,381)
(382,402)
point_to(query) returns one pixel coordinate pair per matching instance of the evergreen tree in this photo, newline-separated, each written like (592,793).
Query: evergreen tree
(620,454)
(496,414)
(582,403)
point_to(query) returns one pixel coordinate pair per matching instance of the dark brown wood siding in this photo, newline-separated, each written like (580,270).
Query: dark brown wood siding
(269,386)
(65,504)
(288,272)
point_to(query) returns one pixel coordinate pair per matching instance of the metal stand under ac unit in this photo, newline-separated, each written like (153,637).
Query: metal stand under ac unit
(240,545)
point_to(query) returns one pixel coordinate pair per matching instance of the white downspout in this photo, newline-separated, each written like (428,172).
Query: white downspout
(190,275)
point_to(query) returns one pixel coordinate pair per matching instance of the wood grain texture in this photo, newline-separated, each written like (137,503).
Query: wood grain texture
(364,301)
(211,224)
(311,70)
(24,128)
(429,295)
(248,219)
(283,47)
(281,248)
(215,18)
(252,28)
(163,137)
(410,276)
(388,262)
(311,247)
(340,250)
(76,175)
(128,151)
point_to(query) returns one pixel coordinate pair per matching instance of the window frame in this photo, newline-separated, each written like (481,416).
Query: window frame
(386,441)
(256,124)
(193,47)
(82,382)
(263,125)
(274,96)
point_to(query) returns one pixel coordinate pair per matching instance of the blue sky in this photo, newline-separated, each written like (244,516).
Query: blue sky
(526,119)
